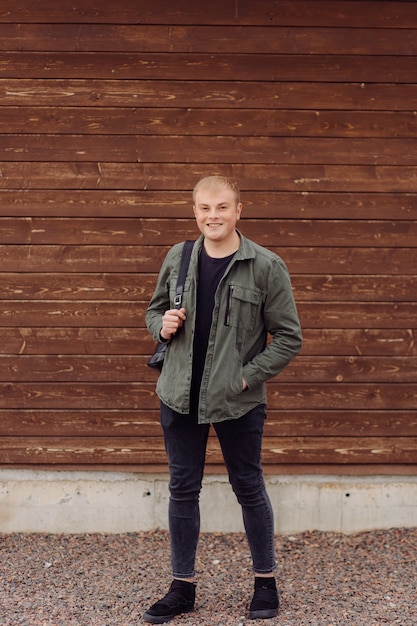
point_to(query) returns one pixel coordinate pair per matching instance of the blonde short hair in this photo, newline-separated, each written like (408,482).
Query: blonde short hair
(214,182)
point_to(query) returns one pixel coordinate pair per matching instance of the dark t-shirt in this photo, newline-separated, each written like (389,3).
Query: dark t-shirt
(210,273)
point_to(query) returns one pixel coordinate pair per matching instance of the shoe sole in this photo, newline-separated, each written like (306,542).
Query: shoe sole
(263,614)
(161,619)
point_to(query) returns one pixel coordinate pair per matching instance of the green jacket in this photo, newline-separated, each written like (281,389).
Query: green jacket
(254,298)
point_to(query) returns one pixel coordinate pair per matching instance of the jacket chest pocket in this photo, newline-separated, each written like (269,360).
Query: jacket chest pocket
(242,307)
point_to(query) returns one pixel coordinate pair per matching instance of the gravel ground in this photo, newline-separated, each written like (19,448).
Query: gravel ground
(109,580)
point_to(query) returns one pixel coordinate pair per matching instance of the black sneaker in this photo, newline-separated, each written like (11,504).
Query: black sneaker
(179,599)
(265,601)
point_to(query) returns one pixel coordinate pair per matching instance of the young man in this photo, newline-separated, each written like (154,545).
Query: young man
(215,368)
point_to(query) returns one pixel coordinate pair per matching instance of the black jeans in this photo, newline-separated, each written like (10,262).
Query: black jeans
(241,442)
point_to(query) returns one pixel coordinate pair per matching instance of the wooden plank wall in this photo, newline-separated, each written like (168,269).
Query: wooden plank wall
(109,113)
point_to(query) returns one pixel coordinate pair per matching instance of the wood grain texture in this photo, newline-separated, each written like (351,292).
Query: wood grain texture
(150,450)
(230,67)
(203,149)
(55,340)
(166,204)
(390,14)
(108,286)
(128,122)
(108,116)
(259,96)
(282,396)
(59,175)
(197,39)
(132,368)
(137,423)
(153,232)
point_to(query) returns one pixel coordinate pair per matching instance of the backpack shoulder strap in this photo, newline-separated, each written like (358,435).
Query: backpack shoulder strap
(182,272)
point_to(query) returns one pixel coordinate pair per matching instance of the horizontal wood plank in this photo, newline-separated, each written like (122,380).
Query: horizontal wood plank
(154,232)
(105,286)
(334,423)
(204,149)
(342,395)
(79,258)
(272,469)
(123,314)
(140,423)
(174,176)
(195,39)
(227,122)
(167,204)
(359,315)
(151,450)
(66,313)
(77,287)
(390,14)
(351,369)
(109,258)
(56,340)
(340,450)
(368,342)
(120,369)
(256,94)
(74,341)
(283,396)
(334,287)
(225,66)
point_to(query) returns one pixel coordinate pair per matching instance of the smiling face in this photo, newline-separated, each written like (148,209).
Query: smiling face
(217,211)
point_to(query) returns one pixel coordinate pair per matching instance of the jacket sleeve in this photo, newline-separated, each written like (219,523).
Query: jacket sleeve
(281,321)
(160,301)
